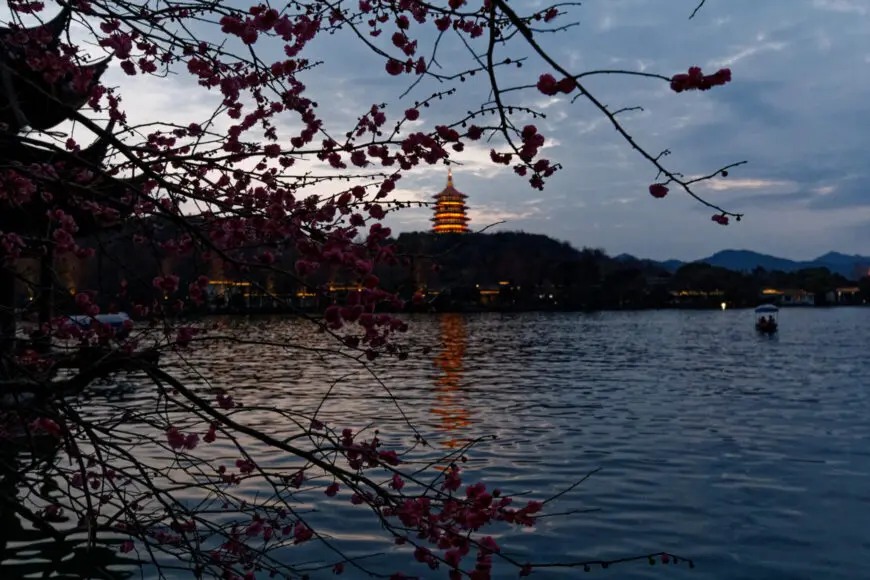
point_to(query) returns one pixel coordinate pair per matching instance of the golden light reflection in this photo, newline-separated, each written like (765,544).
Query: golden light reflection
(449,392)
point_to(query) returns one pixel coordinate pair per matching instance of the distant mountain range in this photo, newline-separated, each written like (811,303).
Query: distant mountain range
(850,266)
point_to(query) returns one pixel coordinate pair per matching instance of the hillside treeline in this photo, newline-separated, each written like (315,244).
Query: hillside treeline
(502,270)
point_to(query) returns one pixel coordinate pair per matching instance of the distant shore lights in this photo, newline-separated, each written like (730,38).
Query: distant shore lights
(450,208)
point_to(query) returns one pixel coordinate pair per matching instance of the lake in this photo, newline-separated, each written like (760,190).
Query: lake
(750,455)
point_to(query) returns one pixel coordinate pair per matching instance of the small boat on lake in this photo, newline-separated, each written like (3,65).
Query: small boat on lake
(122,324)
(765,319)
(117,321)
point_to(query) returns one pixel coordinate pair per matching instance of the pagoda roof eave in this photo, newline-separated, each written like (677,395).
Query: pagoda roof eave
(450,191)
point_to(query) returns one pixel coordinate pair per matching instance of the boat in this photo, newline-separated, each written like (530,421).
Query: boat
(86,356)
(765,319)
(117,321)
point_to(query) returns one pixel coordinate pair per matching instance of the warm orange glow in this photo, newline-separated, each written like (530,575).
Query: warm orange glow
(448,385)
(786,292)
(696,293)
(450,216)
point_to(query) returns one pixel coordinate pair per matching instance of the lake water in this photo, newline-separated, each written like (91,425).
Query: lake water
(750,455)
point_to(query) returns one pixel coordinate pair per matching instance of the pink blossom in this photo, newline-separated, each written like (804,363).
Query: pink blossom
(658,190)
(301,533)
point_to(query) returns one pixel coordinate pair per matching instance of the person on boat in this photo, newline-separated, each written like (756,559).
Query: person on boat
(767,324)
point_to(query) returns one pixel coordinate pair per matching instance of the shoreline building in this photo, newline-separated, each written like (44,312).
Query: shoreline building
(450,208)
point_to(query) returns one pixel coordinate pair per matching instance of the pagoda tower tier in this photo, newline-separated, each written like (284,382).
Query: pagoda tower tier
(28,99)
(450,210)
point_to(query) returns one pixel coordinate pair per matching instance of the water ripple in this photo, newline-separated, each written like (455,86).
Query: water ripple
(749,455)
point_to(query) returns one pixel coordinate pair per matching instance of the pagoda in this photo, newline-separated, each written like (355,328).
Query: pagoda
(450,216)
(77,181)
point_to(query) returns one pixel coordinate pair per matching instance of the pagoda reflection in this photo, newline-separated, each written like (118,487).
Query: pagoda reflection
(453,417)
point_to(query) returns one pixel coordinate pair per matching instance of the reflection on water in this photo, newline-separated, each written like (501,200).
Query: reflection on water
(751,456)
(26,552)
(450,395)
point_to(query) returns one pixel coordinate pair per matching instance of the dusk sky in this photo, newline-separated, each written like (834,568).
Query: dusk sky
(796,110)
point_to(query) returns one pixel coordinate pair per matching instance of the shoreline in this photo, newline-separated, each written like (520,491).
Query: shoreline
(478,310)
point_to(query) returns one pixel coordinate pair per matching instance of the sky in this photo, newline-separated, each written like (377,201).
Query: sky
(796,111)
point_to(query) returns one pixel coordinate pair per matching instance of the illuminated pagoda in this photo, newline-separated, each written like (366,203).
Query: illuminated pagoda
(450,217)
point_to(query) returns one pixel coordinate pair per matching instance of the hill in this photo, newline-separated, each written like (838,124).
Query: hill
(746,261)
(849,266)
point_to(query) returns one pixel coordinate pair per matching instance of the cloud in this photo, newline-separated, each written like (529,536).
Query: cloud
(724,184)
(801,71)
(748,51)
(844,6)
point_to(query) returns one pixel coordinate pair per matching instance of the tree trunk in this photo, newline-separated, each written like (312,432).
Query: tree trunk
(7,320)
(45,299)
